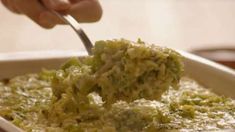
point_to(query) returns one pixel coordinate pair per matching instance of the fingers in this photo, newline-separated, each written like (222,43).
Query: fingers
(11,6)
(58,5)
(48,17)
(86,10)
(34,10)
(81,10)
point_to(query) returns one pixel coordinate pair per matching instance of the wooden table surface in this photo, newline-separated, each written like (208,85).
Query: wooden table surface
(181,24)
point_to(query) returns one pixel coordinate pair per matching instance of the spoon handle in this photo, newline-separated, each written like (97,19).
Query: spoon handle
(77,28)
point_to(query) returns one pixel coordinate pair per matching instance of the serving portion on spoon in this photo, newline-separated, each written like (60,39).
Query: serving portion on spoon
(118,70)
(128,70)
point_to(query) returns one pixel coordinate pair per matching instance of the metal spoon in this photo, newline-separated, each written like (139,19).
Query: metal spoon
(77,28)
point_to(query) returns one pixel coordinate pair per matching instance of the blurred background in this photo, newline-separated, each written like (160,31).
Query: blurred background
(180,24)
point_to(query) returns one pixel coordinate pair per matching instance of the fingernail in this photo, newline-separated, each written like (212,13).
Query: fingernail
(60,4)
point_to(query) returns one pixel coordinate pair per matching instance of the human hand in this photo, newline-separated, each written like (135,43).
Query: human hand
(81,10)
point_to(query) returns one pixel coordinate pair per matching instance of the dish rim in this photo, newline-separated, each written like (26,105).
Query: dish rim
(64,55)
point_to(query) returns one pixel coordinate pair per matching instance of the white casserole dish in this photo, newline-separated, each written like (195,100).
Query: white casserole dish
(216,77)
